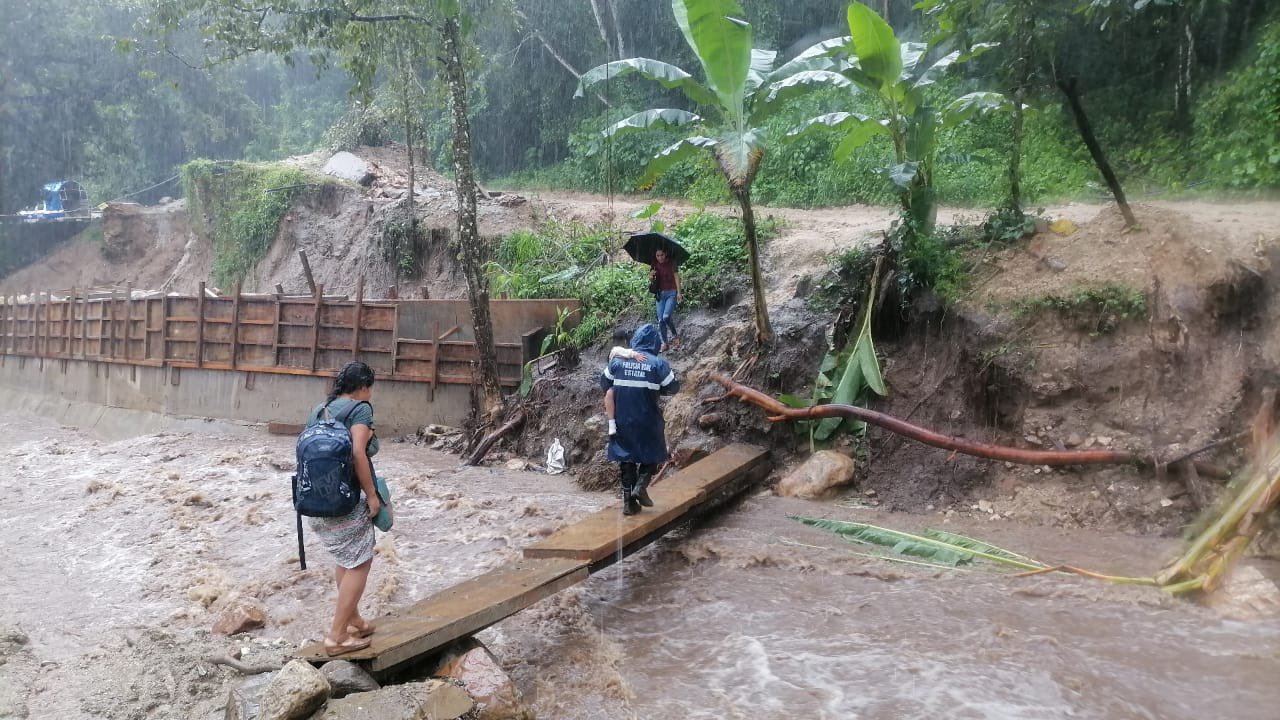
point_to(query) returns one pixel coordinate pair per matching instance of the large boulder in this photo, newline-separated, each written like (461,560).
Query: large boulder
(486,682)
(430,700)
(242,616)
(347,677)
(820,477)
(346,166)
(296,691)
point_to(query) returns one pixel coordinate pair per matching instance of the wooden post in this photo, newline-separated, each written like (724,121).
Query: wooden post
(114,324)
(44,327)
(146,329)
(5,326)
(306,272)
(235,325)
(200,327)
(395,337)
(315,327)
(275,335)
(84,326)
(128,321)
(355,323)
(164,328)
(69,319)
(435,361)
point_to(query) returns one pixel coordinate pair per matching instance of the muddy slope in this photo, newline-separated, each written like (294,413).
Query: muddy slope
(1010,365)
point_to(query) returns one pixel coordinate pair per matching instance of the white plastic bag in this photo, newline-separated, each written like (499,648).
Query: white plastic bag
(555,458)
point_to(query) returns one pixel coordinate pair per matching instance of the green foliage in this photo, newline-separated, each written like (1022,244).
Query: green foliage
(402,241)
(1007,225)
(244,207)
(1237,126)
(935,547)
(717,256)
(933,261)
(1097,310)
(846,280)
(573,260)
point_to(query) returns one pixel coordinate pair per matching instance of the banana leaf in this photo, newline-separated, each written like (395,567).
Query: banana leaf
(968,543)
(958,550)
(861,367)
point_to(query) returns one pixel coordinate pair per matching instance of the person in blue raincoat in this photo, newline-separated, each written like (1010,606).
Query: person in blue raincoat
(640,443)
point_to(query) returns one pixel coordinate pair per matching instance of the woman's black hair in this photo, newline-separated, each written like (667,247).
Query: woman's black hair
(352,377)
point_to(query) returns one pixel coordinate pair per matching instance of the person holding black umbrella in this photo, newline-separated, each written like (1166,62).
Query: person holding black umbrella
(664,255)
(665,277)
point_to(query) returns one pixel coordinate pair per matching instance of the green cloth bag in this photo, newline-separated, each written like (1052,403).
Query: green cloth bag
(386,516)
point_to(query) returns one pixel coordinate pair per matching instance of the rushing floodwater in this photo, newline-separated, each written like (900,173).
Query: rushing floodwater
(749,616)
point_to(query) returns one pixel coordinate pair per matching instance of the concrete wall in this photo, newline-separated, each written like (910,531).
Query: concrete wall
(119,400)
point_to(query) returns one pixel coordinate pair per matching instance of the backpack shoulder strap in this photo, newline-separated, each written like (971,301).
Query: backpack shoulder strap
(342,415)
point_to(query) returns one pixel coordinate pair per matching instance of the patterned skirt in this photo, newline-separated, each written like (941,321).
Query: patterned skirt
(349,538)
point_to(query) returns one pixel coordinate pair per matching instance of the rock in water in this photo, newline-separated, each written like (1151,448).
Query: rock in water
(486,682)
(240,617)
(430,700)
(346,678)
(296,691)
(820,477)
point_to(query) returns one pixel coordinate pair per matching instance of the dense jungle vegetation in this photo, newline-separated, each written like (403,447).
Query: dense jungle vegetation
(1184,95)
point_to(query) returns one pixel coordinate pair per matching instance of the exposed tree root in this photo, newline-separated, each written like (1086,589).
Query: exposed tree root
(779,412)
(482,449)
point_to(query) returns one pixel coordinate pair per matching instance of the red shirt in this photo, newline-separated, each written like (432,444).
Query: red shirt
(666,274)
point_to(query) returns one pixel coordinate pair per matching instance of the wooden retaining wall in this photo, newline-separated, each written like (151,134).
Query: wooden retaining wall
(428,341)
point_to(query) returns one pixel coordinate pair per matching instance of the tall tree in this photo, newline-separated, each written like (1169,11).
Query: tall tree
(740,91)
(350,28)
(871,61)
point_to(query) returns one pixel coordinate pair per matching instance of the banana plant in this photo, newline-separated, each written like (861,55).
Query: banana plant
(740,89)
(870,60)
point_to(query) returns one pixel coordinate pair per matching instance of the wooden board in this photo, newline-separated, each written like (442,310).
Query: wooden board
(459,611)
(609,532)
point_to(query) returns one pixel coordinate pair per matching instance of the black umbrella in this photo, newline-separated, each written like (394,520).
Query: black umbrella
(642,246)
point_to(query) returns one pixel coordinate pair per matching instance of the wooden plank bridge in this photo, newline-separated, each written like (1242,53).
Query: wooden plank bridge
(563,559)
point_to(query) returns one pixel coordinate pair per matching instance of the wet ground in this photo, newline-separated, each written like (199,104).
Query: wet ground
(120,556)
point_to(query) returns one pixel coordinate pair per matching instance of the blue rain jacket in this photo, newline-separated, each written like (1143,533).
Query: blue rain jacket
(641,436)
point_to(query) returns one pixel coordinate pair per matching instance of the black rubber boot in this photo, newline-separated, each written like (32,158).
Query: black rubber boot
(630,476)
(641,491)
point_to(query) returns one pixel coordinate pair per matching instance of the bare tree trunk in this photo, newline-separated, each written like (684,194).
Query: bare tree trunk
(468,243)
(604,31)
(408,142)
(1069,89)
(1024,29)
(764,331)
(1182,84)
(617,28)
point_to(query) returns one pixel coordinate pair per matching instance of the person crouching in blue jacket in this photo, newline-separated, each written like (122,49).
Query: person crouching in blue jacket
(640,443)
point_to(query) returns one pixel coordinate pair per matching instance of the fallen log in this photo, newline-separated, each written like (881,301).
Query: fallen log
(482,449)
(779,412)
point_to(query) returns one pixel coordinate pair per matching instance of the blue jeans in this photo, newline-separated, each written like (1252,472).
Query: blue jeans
(666,315)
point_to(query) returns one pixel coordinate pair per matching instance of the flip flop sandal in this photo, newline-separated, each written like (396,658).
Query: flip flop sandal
(362,632)
(332,647)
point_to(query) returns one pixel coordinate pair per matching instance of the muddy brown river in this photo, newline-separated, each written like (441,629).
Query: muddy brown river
(120,555)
